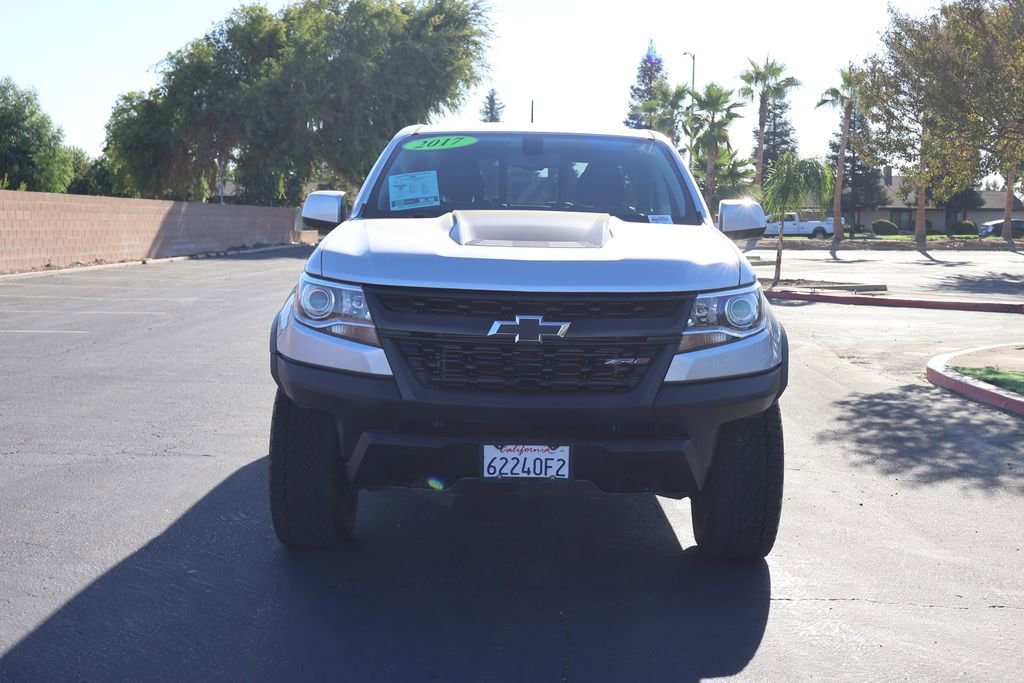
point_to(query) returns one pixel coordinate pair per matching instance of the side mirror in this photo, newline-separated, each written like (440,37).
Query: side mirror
(741,219)
(324,209)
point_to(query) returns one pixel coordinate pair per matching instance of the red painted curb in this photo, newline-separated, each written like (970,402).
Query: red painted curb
(1012,402)
(858,300)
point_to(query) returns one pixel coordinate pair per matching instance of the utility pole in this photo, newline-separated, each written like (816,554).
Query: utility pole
(689,109)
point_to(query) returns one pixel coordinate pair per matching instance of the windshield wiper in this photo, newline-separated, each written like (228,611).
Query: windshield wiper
(628,213)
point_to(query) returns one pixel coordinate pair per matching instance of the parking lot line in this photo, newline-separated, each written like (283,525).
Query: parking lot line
(45,331)
(188,299)
(54,312)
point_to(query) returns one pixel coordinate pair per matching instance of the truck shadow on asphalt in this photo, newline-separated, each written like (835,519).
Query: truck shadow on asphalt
(924,435)
(571,589)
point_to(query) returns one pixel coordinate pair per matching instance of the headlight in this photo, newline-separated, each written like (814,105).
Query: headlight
(724,317)
(336,309)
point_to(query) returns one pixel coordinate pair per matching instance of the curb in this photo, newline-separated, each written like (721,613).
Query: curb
(940,375)
(145,261)
(858,300)
(801,243)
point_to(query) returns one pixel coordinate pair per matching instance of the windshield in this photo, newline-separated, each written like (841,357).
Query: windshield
(630,178)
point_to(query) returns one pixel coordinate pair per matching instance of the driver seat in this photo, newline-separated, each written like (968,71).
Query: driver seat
(600,184)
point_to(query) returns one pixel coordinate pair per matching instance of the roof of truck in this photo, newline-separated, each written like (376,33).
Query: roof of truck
(477,127)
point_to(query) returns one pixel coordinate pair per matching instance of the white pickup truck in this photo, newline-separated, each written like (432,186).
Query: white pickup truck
(795,226)
(528,310)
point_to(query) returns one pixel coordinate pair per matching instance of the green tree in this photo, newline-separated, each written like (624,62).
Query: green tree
(32,153)
(975,67)
(779,134)
(733,174)
(352,50)
(80,164)
(904,94)
(844,97)
(713,111)
(649,75)
(664,111)
(272,98)
(493,108)
(864,185)
(95,177)
(791,184)
(143,148)
(764,83)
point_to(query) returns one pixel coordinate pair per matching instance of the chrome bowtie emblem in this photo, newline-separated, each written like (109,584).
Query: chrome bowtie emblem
(528,328)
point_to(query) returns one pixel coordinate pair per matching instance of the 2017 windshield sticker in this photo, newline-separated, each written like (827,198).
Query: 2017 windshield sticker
(413,190)
(445,142)
(659,218)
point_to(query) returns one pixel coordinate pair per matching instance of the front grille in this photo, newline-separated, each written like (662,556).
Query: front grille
(501,365)
(505,306)
(543,432)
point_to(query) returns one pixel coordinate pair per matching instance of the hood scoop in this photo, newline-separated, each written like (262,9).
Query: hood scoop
(531,229)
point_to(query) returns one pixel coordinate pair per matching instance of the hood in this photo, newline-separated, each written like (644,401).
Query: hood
(530,251)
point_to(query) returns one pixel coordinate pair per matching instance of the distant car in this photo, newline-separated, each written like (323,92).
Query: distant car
(995,228)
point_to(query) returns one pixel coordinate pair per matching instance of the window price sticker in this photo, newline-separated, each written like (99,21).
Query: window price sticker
(413,190)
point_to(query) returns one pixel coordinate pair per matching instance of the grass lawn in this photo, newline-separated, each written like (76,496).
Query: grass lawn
(910,238)
(1011,381)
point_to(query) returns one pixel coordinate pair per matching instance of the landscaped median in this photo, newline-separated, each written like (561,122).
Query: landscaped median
(895,243)
(993,375)
(853,294)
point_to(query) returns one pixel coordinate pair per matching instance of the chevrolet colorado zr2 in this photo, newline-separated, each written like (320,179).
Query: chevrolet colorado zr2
(516,308)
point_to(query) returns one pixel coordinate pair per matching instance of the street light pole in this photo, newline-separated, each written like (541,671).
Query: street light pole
(693,86)
(693,69)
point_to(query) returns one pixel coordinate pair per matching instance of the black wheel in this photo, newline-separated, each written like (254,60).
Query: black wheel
(312,502)
(736,516)
(818,234)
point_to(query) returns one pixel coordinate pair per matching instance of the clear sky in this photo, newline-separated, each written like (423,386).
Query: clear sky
(574,58)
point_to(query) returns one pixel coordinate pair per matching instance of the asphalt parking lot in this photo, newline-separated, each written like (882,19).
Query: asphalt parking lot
(136,544)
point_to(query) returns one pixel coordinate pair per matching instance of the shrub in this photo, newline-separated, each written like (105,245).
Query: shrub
(964,228)
(884,227)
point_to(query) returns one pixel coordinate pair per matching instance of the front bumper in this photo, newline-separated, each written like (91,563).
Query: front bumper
(663,446)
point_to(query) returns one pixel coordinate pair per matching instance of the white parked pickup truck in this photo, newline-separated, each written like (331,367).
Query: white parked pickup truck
(524,310)
(795,226)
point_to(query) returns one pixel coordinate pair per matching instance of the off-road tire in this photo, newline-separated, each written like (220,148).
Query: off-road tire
(312,502)
(736,516)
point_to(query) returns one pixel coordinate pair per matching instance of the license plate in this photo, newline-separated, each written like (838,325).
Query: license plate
(526,462)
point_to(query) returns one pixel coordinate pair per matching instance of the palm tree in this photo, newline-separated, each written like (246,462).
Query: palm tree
(733,174)
(764,83)
(664,111)
(845,98)
(791,183)
(713,111)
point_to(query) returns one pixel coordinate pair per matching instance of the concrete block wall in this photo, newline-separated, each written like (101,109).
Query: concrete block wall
(39,229)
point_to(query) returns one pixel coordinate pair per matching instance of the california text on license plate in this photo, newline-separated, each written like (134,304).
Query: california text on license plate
(526,462)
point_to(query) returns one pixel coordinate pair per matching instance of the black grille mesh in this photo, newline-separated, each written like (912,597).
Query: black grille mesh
(497,306)
(562,366)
